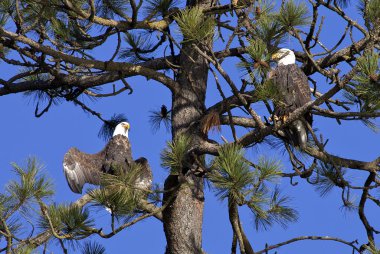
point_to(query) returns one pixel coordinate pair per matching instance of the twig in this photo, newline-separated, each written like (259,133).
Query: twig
(302,238)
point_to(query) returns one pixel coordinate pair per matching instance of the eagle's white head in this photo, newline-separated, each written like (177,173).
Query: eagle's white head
(122,129)
(284,57)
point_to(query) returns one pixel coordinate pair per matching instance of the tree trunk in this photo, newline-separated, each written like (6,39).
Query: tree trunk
(183,217)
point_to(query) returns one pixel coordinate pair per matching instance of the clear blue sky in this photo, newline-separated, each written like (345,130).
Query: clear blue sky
(64,126)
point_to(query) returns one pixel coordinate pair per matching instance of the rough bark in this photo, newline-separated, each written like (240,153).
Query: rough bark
(183,217)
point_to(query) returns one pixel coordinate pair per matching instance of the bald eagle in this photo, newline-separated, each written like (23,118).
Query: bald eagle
(294,92)
(81,168)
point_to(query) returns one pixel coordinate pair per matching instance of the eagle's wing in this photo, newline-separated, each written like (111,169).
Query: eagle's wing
(81,168)
(144,179)
(118,154)
(300,84)
(293,87)
(302,90)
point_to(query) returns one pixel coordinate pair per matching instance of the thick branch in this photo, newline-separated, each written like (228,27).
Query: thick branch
(125,68)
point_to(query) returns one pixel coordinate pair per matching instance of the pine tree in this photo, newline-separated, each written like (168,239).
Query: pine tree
(184,46)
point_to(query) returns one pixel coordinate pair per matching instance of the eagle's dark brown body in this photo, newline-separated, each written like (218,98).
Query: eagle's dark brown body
(81,168)
(293,87)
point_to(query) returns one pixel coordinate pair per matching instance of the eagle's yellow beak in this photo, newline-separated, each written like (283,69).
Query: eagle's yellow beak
(276,56)
(126,126)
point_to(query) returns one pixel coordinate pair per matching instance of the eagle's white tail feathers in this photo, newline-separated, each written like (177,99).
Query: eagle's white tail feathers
(73,173)
(299,130)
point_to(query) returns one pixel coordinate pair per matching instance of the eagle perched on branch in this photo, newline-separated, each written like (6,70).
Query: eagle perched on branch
(294,92)
(81,168)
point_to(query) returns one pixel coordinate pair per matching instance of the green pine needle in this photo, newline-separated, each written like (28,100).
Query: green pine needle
(328,177)
(231,175)
(279,212)
(265,8)
(371,125)
(118,191)
(5,203)
(258,51)
(139,47)
(269,169)
(32,184)
(93,248)
(349,205)
(257,203)
(158,117)
(7,6)
(293,14)
(367,82)
(159,8)
(3,20)
(14,225)
(258,59)
(60,29)
(269,30)
(121,201)
(267,91)
(172,157)
(68,219)
(107,8)
(42,96)
(368,65)
(194,25)
(370,11)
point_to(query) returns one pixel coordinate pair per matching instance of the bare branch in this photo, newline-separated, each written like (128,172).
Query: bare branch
(315,238)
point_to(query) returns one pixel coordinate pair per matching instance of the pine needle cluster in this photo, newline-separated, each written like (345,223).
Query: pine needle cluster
(19,202)
(293,14)
(93,248)
(139,47)
(172,157)
(67,219)
(231,175)
(370,11)
(32,185)
(258,58)
(108,8)
(234,178)
(156,8)
(269,30)
(194,25)
(6,7)
(160,117)
(367,82)
(328,177)
(267,91)
(119,192)
(277,211)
